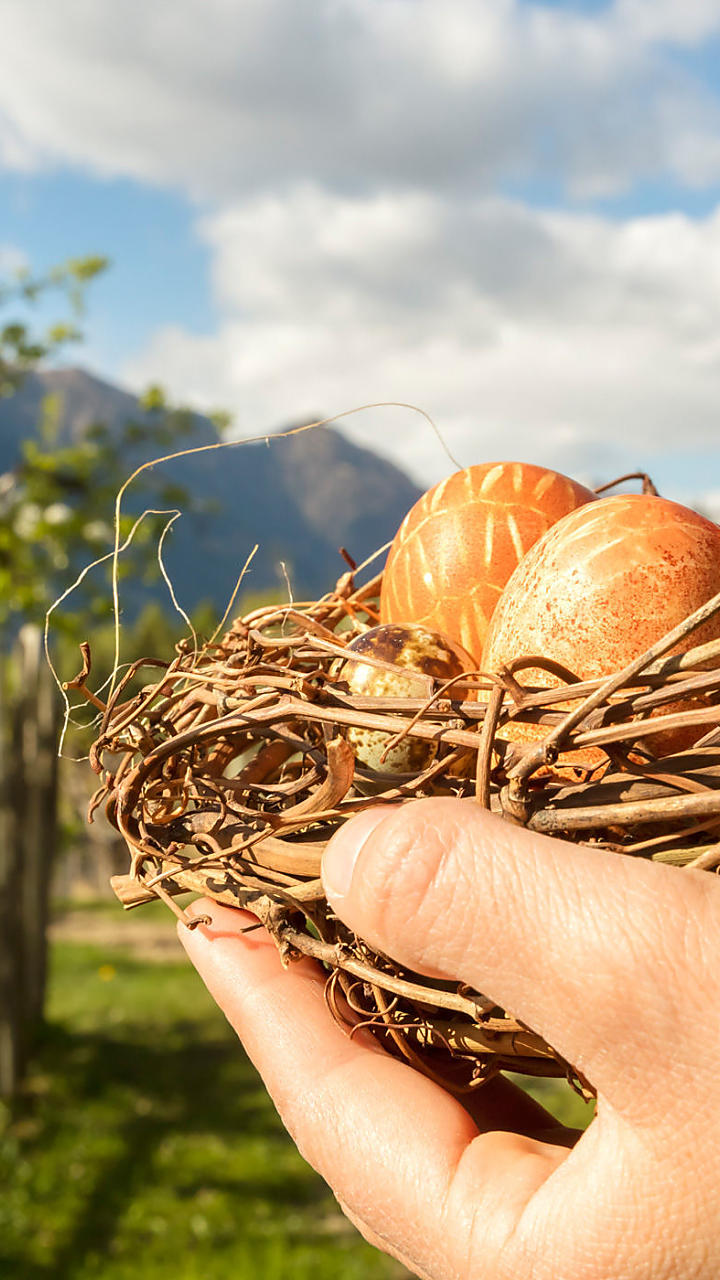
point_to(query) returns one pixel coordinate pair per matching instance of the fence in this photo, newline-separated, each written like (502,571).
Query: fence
(29,710)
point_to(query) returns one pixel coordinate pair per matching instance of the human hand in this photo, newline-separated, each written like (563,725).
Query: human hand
(615,961)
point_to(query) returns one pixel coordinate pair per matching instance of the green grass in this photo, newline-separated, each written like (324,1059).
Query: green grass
(145,1146)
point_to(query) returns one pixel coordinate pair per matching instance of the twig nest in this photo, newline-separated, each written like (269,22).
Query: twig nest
(430,660)
(229,773)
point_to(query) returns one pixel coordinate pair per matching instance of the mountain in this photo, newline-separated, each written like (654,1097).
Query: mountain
(300,498)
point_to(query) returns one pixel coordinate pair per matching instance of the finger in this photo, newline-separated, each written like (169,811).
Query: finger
(377,1241)
(588,948)
(498,1104)
(393,1145)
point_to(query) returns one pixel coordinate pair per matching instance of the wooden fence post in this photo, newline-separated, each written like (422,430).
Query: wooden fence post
(28,824)
(10,942)
(37,761)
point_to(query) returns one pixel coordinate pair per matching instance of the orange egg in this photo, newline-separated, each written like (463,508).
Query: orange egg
(457,547)
(602,586)
(415,654)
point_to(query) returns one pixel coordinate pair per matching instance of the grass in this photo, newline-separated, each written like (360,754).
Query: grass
(145,1146)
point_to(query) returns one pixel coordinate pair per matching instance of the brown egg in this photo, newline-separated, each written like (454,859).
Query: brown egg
(412,649)
(603,585)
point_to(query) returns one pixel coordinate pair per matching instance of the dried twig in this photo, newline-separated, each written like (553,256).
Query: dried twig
(228,775)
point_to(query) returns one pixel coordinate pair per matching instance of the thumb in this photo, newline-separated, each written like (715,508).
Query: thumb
(594,951)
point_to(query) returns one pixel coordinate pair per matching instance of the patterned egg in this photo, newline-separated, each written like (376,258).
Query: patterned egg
(602,586)
(457,547)
(409,648)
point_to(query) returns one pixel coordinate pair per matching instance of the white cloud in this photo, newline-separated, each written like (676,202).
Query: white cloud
(578,341)
(223,99)
(708,504)
(350,152)
(685,22)
(12,260)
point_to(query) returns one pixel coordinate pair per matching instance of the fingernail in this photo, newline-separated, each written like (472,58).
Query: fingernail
(343,849)
(198,910)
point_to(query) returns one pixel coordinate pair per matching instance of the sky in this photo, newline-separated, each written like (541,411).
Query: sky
(504,212)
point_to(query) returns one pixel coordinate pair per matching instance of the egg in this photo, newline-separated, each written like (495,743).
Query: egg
(417,651)
(602,586)
(459,544)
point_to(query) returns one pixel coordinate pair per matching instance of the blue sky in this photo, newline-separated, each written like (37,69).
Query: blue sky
(504,213)
(160,269)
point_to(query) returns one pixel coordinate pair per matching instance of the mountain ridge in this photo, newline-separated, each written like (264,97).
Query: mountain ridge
(301,497)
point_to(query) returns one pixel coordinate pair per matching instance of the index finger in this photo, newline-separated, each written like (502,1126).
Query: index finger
(394,1146)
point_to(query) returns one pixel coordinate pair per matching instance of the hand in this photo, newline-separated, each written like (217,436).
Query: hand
(615,961)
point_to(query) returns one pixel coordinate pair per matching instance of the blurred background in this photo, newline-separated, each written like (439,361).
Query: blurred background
(219,221)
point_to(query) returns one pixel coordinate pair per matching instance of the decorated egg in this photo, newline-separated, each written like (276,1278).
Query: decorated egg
(421,660)
(602,586)
(457,547)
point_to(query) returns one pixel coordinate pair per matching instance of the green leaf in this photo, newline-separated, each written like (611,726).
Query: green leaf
(153,398)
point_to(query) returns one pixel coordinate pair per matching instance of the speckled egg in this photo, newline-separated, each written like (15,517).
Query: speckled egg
(413,649)
(603,585)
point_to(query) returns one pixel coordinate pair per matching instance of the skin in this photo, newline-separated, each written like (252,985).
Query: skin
(615,961)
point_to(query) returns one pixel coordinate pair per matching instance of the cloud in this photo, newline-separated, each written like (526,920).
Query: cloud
(686,23)
(709,504)
(357,95)
(348,155)
(12,260)
(585,343)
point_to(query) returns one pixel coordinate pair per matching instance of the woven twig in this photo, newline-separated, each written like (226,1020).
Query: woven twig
(229,773)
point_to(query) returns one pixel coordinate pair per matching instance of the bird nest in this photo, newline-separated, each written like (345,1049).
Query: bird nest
(229,773)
